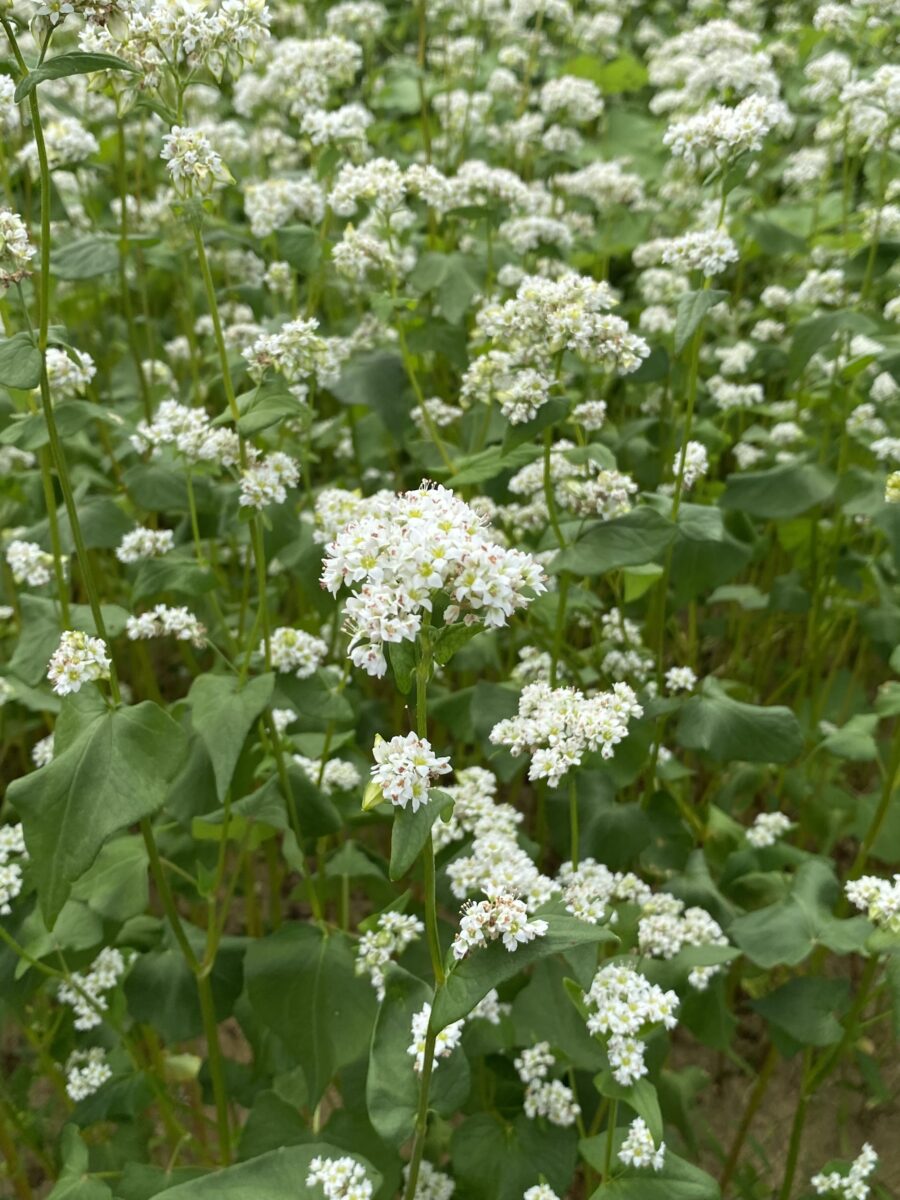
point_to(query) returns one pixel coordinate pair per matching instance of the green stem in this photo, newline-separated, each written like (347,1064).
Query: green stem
(573,819)
(59,570)
(216,1067)
(421,1128)
(610,1138)
(756,1096)
(881,812)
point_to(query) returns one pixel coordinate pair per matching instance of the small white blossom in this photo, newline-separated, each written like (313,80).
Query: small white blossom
(78,659)
(639,1150)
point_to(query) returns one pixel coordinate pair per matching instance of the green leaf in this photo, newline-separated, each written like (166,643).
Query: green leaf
(678,1179)
(377,381)
(111,774)
(74,1182)
(814,332)
(86,257)
(487,464)
(181,576)
(300,246)
(223,714)
(805,1008)
(692,308)
(116,886)
(789,931)
(497,1159)
(728,730)
(623,74)
(854,741)
(779,492)
(483,969)
(641,1096)
(302,985)
(411,831)
(20,362)
(273,1176)
(634,540)
(75,62)
(453,637)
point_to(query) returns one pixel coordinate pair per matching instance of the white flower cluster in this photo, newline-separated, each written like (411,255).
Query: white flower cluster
(193,165)
(540,1191)
(69,373)
(296,351)
(85,993)
(86,1072)
(503,917)
(544,1097)
(852,1186)
(29,563)
(767,828)
(498,866)
(590,889)
(431,1183)
(623,1005)
(666,926)
(273,203)
(695,463)
(16,251)
(42,751)
(266,482)
(558,726)
(706,250)
(475,809)
(296,650)
(380,946)
(526,333)
(639,1150)
(423,542)
(12,854)
(445,1043)
(190,432)
(719,133)
(78,659)
(878,898)
(680,679)
(165,621)
(490,1008)
(144,543)
(338,775)
(405,768)
(341,1178)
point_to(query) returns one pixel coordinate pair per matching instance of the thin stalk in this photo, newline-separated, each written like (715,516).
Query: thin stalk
(573,819)
(753,1103)
(216,1067)
(796,1138)
(610,1138)
(887,791)
(59,570)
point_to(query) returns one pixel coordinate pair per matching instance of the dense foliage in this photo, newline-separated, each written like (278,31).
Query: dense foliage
(449,625)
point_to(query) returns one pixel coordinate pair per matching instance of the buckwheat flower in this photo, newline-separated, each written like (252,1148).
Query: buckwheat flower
(622,1004)
(852,1186)
(163,621)
(639,1150)
(383,945)
(590,414)
(143,543)
(42,751)
(296,351)
(445,1043)
(282,718)
(892,488)
(86,993)
(431,1184)
(29,563)
(558,726)
(405,768)
(86,1072)
(13,854)
(878,898)
(337,775)
(78,659)
(490,1008)
(499,917)
(719,133)
(706,250)
(297,651)
(540,1191)
(666,926)
(266,482)
(341,1178)
(193,166)
(767,828)
(16,251)
(69,372)
(692,463)
(441,414)
(680,679)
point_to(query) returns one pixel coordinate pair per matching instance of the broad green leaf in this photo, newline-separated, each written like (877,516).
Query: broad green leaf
(302,985)
(692,308)
(496,1159)
(470,980)
(377,381)
(411,830)
(779,492)
(789,931)
(392,1085)
(402,657)
(805,1009)
(814,332)
(728,730)
(451,638)
(77,928)
(20,362)
(75,1182)
(274,1176)
(854,741)
(633,540)
(75,62)
(300,246)
(487,464)
(86,257)
(678,1179)
(181,576)
(641,1096)
(223,714)
(116,886)
(111,775)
